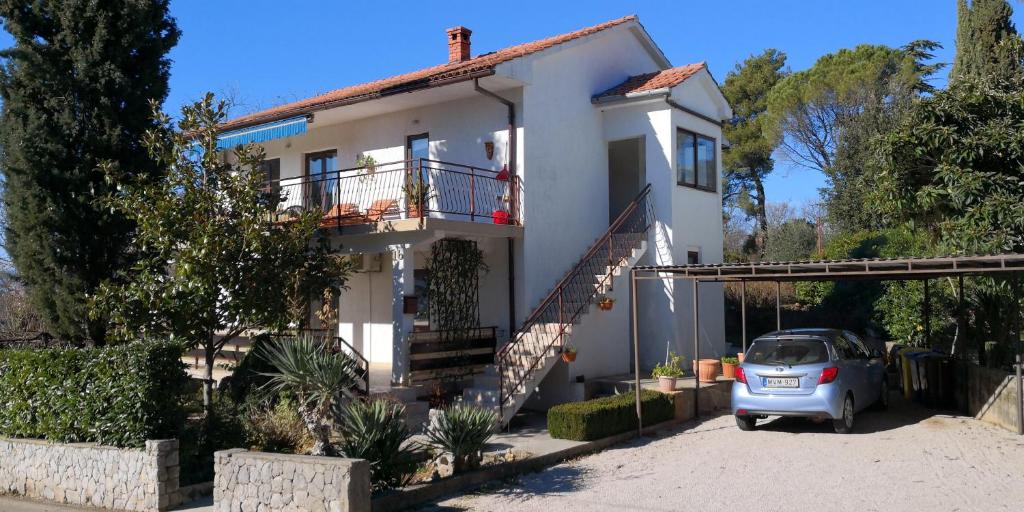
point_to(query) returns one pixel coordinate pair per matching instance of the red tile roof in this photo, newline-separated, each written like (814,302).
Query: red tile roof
(653,81)
(480,65)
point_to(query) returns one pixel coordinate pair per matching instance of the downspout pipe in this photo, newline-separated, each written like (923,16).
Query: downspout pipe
(513,172)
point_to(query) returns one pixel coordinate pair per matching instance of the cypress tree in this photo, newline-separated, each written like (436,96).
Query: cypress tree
(78,88)
(987,43)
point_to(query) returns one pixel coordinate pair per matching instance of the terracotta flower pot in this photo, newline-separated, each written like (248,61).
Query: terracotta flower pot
(729,370)
(606,305)
(568,356)
(666,384)
(709,369)
(414,212)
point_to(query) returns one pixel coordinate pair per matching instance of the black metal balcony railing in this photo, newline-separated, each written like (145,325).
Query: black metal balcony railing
(409,189)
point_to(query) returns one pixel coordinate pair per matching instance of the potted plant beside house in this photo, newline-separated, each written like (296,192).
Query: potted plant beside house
(568,353)
(668,373)
(417,194)
(605,302)
(729,365)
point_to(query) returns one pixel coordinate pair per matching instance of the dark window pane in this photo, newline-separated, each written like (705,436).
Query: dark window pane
(685,165)
(271,169)
(692,257)
(418,147)
(706,175)
(790,352)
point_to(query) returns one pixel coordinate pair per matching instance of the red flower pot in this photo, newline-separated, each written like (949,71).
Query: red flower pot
(500,217)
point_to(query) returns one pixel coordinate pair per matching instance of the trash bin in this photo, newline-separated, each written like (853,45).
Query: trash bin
(908,371)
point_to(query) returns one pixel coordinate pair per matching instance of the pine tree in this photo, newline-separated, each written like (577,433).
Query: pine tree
(77,88)
(987,43)
(748,160)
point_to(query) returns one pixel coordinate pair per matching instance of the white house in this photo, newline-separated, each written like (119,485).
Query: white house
(541,155)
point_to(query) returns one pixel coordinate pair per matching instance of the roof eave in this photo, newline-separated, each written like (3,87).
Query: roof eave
(630,97)
(309,110)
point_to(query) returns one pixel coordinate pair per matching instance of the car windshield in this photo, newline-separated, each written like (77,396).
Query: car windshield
(788,352)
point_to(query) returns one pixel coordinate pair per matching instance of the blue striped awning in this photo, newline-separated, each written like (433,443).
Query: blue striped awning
(263,132)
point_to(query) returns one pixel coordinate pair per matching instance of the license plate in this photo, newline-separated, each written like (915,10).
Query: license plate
(781,382)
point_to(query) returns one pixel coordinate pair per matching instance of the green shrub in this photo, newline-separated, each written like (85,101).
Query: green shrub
(463,430)
(120,395)
(603,417)
(221,429)
(278,428)
(375,430)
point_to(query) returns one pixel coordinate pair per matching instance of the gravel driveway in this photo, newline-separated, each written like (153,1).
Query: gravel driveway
(906,458)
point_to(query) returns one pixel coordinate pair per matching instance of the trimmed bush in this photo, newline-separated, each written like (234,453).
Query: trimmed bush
(607,416)
(119,396)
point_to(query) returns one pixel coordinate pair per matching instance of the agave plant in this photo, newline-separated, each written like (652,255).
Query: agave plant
(318,377)
(462,430)
(375,430)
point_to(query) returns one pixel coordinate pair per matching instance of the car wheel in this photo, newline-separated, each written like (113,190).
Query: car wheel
(746,423)
(883,397)
(844,425)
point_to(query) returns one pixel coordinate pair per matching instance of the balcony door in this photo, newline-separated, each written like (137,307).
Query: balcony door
(322,178)
(417,147)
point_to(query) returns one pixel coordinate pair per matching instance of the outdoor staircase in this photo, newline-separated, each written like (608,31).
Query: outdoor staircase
(536,346)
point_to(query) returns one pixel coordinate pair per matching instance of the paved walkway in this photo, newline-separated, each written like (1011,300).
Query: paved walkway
(904,459)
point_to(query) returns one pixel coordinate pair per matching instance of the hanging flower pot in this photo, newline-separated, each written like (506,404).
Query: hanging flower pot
(500,217)
(605,303)
(569,354)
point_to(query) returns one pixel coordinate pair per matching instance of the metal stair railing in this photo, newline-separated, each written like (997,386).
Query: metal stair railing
(546,327)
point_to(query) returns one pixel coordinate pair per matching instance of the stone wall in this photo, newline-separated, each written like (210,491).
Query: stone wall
(992,396)
(92,475)
(250,481)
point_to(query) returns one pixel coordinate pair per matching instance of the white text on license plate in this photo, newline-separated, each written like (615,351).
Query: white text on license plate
(781,382)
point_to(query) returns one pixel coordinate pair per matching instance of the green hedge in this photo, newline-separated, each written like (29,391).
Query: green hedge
(119,396)
(603,417)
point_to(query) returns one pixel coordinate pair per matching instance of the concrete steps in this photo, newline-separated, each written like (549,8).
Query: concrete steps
(540,344)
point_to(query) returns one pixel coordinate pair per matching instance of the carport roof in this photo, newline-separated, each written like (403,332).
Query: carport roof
(838,270)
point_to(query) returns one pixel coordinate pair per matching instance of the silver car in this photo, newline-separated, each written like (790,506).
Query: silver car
(816,373)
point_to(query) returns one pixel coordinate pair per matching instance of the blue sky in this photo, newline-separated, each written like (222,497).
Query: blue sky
(265,52)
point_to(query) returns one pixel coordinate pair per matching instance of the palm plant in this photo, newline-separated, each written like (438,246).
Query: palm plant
(462,430)
(318,377)
(375,430)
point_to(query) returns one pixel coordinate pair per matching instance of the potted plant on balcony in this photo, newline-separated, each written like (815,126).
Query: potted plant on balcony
(568,353)
(729,365)
(368,164)
(417,193)
(605,302)
(501,214)
(668,373)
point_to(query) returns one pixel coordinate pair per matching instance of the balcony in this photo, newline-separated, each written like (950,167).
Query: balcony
(410,190)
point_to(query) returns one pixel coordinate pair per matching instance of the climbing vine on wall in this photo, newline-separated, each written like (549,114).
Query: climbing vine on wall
(453,287)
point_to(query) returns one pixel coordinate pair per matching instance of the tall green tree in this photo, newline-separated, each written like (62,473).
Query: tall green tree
(824,116)
(987,42)
(76,88)
(210,265)
(955,166)
(748,159)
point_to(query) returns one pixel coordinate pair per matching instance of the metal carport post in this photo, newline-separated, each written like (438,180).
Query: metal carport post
(827,270)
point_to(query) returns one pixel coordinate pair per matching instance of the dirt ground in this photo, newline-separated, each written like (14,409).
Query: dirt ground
(906,458)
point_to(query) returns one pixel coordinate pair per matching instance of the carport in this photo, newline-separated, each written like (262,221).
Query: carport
(877,269)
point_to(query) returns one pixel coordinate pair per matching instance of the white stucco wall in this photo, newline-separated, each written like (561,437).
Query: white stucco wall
(566,160)
(697,222)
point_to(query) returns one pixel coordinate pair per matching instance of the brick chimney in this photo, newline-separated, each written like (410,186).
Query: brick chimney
(458,44)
